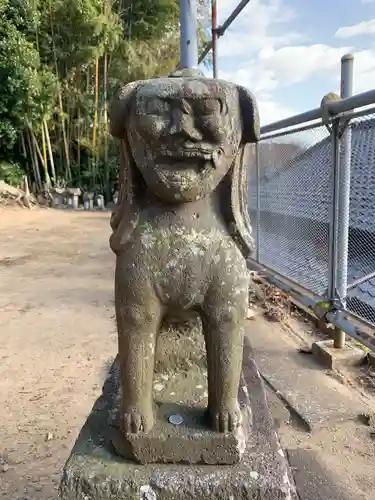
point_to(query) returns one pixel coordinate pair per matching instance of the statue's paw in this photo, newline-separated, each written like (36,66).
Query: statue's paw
(135,422)
(226,420)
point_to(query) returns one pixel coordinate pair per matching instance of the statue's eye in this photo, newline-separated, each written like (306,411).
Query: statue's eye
(153,107)
(206,107)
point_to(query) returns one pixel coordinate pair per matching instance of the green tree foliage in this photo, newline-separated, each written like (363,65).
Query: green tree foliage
(27,89)
(60,61)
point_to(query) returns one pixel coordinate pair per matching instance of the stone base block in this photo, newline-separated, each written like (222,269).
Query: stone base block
(192,442)
(332,359)
(95,472)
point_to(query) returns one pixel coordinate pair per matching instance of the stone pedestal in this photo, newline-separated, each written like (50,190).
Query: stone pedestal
(94,471)
(192,442)
(58,197)
(88,201)
(100,201)
(73,197)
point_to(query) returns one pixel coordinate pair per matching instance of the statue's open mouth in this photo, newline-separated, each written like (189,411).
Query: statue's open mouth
(188,154)
(185,164)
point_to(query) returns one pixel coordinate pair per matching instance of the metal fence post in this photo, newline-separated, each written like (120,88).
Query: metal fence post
(188,34)
(344,197)
(333,215)
(257,217)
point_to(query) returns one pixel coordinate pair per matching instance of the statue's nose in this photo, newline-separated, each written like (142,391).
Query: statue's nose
(182,124)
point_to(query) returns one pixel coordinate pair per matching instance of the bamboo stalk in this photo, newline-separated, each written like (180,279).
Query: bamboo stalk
(23,145)
(50,154)
(44,162)
(78,144)
(35,143)
(38,180)
(106,165)
(88,91)
(44,148)
(66,148)
(26,197)
(96,102)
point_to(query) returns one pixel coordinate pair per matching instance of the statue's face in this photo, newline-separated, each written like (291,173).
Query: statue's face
(184,134)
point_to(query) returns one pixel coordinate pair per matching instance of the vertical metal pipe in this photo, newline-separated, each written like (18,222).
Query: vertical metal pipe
(188,34)
(347,66)
(333,213)
(214,37)
(257,222)
(347,63)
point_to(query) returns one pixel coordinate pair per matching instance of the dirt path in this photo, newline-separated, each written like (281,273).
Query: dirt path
(56,336)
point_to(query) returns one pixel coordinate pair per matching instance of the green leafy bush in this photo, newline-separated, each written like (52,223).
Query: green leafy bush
(11,173)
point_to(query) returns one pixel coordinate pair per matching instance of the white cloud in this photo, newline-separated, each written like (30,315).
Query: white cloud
(260,9)
(363,28)
(275,68)
(294,64)
(364,71)
(261,24)
(261,84)
(271,111)
(368,1)
(256,79)
(259,28)
(262,52)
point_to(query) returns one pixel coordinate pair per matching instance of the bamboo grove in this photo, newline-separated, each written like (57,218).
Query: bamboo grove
(60,61)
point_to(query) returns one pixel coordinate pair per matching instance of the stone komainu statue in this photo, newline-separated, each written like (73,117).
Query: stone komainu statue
(181,231)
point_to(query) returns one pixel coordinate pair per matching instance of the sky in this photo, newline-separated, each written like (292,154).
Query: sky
(287,52)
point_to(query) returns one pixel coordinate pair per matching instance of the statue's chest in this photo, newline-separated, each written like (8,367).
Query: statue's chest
(179,259)
(179,246)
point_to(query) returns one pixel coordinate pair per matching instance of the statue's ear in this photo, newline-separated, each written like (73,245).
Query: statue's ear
(119,109)
(249,115)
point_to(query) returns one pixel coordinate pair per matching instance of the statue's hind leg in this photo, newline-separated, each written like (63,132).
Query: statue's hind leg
(138,315)
(223,319)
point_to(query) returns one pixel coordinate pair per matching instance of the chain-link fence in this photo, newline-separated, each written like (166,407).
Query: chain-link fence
(311,202)
(361,248)
(295,180)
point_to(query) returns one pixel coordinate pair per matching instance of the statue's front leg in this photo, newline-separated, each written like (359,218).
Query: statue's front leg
(223,321)
(138,314)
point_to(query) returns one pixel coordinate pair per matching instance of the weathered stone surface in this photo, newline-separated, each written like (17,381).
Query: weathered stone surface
(100,201)
(317,399)
(193,442)
(94,472)
(313,480)
(181,231)
(280,413)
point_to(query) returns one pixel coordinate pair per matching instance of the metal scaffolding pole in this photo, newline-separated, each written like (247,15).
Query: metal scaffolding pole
(188,34)
(214,37)
(219,31)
